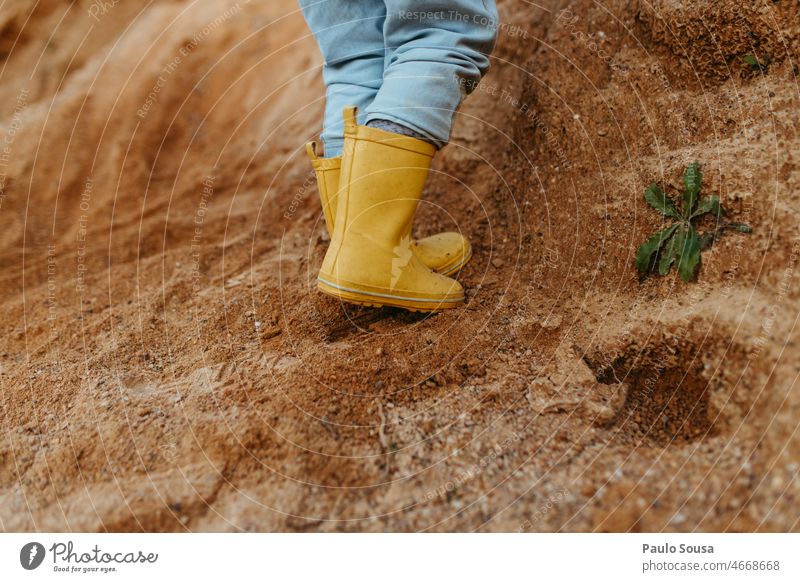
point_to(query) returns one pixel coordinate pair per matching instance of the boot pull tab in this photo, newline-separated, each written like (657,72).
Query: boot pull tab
(350,123)
(311,148)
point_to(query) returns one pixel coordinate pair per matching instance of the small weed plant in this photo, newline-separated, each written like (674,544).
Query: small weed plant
(680,244)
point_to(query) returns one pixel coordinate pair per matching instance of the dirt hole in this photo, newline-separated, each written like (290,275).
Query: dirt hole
(663,405)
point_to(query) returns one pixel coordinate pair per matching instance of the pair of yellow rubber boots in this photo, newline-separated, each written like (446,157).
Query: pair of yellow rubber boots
(369,198)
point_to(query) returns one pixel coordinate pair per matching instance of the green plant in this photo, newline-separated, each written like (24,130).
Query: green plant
(680,242)
(755,63)
(751,61)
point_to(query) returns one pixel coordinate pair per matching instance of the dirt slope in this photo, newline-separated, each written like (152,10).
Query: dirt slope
(167,364)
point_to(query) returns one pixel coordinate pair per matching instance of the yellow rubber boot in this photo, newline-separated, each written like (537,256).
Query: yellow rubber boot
(445,253)
(371,259)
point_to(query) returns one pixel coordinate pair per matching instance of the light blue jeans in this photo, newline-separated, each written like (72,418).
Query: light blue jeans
(405,61)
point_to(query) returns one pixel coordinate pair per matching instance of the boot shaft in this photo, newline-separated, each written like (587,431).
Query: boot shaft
(327,171)
(382,177)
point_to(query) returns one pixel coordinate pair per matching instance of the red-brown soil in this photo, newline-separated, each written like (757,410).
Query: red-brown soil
(167,364)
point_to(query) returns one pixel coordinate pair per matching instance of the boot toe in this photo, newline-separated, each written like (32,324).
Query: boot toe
(445,253)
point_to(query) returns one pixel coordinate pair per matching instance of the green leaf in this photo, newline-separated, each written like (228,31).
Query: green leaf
(739,226)
(667,256)
(708,204)
(680,241)
(692,182)
(644,256)
(656,198)
(750,60)
(689,255)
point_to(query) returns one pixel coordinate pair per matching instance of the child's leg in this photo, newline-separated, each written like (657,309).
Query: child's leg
(350,37)
(438,52)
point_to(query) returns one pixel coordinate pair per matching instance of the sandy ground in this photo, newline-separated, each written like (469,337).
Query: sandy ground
(167,364)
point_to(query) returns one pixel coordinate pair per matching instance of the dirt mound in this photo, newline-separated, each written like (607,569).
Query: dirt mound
(167,364)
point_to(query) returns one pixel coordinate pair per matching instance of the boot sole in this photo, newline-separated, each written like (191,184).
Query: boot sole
(369,299)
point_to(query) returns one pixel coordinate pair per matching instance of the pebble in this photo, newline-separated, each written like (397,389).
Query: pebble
(678,518)
(552,322)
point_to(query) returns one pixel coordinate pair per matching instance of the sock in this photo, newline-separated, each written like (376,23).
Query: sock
(393,127)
